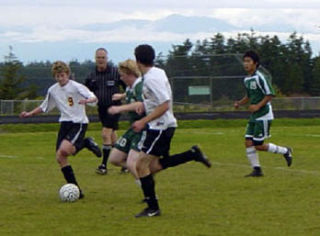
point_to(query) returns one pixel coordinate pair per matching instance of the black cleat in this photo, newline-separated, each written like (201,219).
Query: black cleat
(92,146)
(124,170)
(257,172)
(81,196)
(288,156)
(148,212)
(101,170)
(145,200)
(200,157)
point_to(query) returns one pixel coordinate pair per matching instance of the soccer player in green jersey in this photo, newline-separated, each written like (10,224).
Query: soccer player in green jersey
(259,93)
(127,147)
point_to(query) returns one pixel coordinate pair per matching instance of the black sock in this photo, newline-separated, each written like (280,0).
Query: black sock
(106,151)
(176,159)
(148,188)
(69,175)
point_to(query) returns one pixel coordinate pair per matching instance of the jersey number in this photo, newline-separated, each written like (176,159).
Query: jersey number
(70,101)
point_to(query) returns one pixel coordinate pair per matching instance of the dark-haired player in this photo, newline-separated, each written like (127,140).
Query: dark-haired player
(259,93)
(160,125)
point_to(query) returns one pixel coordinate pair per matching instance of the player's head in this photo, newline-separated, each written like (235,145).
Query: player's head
(145,54)
(60,71)
(251,61)
(101,57)
(60,67)
(129,67)
(129,71)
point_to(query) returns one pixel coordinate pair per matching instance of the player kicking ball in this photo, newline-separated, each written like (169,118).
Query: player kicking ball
(70,97)
(259,95)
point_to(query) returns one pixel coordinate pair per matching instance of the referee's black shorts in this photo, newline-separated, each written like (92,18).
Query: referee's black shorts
(108,120)
(157,142)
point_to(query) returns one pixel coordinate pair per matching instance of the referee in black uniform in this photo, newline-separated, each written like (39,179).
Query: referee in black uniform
(105,81)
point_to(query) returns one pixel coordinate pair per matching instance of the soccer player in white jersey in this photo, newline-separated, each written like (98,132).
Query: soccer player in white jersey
(127,148)
(160,125)
(70,98)
(259,93)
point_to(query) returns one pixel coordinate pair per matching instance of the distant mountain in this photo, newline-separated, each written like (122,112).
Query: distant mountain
(173,23)
(192,24)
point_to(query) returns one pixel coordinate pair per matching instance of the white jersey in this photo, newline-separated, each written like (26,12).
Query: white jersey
(66,99)
(156,91)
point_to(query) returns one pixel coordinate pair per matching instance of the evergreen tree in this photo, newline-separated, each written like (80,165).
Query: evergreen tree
(12,81)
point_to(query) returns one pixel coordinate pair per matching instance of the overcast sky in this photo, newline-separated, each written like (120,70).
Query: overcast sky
(28,23)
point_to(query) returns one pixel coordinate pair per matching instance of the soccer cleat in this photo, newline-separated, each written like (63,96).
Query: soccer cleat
(257,172)
(81,196)
(101,170)
(92,146)
(200,157)
(124,170)
(148,212)
(288,156)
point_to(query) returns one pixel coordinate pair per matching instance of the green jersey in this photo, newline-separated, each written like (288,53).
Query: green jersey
(257,87)
(134,94)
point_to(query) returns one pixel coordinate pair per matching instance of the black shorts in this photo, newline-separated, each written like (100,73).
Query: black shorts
(73,132)
(157,142)
(108,120)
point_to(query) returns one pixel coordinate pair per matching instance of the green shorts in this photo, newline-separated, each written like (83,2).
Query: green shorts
(258,130)
(129,140)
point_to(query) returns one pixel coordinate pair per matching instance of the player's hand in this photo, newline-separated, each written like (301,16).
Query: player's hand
(236,104)
(138,126)
(117,96)
(113,110)
(24,114)
(253,108)
(83,101)
(140,108)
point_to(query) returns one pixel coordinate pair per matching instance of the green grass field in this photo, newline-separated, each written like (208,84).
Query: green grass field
(194,200)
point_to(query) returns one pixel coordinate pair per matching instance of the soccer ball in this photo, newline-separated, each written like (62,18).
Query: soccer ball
(69,193)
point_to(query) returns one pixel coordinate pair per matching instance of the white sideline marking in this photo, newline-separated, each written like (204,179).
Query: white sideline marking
(201,132)
(300,171)
(7,156)
(313,135)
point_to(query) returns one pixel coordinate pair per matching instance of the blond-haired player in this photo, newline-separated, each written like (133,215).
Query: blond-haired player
(70,98)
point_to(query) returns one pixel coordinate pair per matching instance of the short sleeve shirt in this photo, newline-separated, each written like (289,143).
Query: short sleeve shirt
(257,87)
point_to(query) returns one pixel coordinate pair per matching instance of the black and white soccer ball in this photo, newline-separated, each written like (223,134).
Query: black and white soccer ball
(69,193)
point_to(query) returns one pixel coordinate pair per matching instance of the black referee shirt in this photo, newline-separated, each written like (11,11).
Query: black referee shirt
(104,84)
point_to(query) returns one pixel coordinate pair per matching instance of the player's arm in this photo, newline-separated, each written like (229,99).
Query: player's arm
(118,96)
(242,101)
(35,111)
(89,100)
(124,108)
(89,97)
(156,113)
(263,102)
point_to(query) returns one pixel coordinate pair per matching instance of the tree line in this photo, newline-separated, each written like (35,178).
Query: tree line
(294,68)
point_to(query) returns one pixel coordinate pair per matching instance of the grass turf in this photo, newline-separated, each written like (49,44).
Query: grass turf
(194,200)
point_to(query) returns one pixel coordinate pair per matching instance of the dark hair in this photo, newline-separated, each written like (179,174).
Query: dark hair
(102,49)
(144,54)
(253,55)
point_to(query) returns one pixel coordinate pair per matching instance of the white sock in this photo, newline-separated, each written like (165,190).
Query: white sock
(277,149)
(138,182)
(253,156)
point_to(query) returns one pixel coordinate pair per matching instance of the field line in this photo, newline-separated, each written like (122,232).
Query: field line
(7,156)
(287,169)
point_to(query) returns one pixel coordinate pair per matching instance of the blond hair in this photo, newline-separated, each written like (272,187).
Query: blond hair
(129,67)
(59,67)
